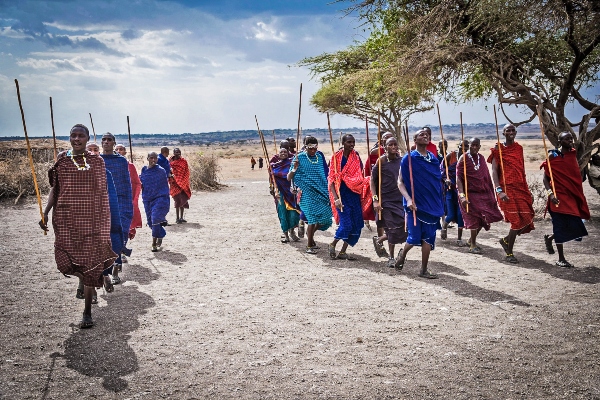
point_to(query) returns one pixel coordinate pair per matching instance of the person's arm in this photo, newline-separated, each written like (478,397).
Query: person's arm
(49,206)
(548,185)
(293,170)
(404,192)
(374,191)
(502,196)
(459,183)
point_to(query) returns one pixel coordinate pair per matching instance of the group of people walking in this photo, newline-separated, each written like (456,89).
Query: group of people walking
(412,197)
(94,202)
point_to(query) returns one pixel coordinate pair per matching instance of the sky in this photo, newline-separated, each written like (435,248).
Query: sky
(173,66)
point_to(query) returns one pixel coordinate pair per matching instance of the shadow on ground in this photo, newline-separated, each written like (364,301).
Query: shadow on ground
(171,257)
(184,227)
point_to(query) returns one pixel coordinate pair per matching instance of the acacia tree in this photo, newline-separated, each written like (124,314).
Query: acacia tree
(356,82)
(536,55)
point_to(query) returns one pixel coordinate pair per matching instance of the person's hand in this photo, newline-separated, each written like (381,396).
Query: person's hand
(464,202)
(338,204)
(448,183)
(553,199)
(503,196)
(377,207)
(296,163)
(44,223)
(411,206)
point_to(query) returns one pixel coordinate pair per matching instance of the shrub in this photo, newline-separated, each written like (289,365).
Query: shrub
(16,181)
(204,171)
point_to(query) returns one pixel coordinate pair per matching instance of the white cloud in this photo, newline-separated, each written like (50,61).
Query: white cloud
(263,31)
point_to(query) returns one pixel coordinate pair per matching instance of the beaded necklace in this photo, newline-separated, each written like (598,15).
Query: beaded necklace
(84,167)
(315,162)
(426,158)
(476,166)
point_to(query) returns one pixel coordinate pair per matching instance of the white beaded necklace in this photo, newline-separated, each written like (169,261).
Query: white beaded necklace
(84,167)
(476,166)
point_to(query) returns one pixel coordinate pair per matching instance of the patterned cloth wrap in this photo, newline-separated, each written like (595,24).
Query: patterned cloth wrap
(180,182)
(483,208)
(572,207)
(427,180)
(155,195)
(452,208)
(287,206)
(119,168)
(518,210)
(311,178)
(136,190)
(81,218)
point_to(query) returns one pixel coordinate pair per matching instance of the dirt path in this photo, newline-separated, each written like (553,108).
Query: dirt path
(226,311)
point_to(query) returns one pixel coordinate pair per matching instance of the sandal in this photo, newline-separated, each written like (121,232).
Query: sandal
(460,243)
(391,262)
(285,240)
(379,249)
(294,237)
(549,247)
(345,256)
(116,280)
(475,250)
(564,264)
(511,259)
(108,286)
(332,254)
(86,322)
(444,234)
(428,275)
(311,250)
(399,264)
(79,294)
(504,245)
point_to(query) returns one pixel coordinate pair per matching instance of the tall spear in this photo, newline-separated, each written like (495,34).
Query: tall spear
(443,145)
(539,112)
(275,141)
(93,130)
(266,154)
(299,112)
(130,147)
(379,161)
(333,159)
(53,132)
(500,149)
(410,172)
(35,184)
(462,143)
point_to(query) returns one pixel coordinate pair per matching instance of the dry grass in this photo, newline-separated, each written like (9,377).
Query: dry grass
(204,171)
(16,180)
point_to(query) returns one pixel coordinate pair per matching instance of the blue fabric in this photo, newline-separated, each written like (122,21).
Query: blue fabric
(453,212)
(118,166)
(567,227)
(165,164)
(351,221)
(280,170)
(155,196)
(427,180)
(288,219)
(311,178)
(425,229)
(116,231)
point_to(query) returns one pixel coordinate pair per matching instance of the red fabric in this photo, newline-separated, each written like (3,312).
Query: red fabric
(352,176)
(81,218)
(430,147)
(181,177)
(136,189)
(568,185)
(518,210)
(372,159)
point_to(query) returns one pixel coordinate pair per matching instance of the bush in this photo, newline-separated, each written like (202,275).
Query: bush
(204,171)
(16,181)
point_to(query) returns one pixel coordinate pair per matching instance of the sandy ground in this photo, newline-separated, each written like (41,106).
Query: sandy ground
(227,311)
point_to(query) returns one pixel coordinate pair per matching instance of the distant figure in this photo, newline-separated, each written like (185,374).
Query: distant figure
(252,162)
(163,160)
(260,162)
(155,195)
(594,172)
(180,184)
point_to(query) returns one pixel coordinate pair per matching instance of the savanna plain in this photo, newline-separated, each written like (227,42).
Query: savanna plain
(228,311)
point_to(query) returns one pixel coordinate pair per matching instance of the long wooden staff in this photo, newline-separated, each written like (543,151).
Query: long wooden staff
(266,154)
(410,173)
(53,132)
(334,158)
(462,143)
(35,184)
(379,161)
(500,150)
(275,141)
(539,112)
(298,147)
(93,130)
(367,163)
(443,145)
(130,147)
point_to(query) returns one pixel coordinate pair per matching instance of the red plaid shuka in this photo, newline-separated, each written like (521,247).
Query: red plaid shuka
(519,209)
(181,177)
(352,175)
(81,218)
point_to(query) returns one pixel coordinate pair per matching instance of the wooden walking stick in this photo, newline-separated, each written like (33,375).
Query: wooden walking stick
(539,112)
(129,134)
(93,130)
(462,143)
(298,147)
(367,164)
(334,159)
(443,145)
(500,149)
(410,173)
(379,162)
(266,154)
(35,184)
(275,141)
(53,132)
